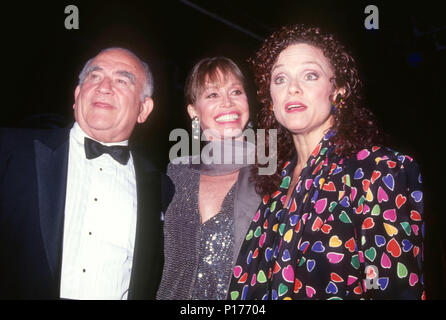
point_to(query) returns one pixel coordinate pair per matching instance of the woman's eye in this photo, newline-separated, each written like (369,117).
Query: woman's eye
(237,92)
(279,80)
(311,76)
(212,95)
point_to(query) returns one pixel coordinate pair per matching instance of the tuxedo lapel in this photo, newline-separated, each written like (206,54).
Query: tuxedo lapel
(147,257)
(51,170)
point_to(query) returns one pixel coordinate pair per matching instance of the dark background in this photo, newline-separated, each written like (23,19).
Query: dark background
(402,65)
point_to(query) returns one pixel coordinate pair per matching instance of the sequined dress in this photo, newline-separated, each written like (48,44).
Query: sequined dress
(215,254)
(198,258)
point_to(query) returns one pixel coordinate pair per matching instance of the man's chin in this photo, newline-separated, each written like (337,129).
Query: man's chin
(96,129)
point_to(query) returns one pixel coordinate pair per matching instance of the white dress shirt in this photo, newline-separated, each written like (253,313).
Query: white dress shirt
(99,225)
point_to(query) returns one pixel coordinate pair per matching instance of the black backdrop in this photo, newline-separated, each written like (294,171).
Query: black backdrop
(402,65)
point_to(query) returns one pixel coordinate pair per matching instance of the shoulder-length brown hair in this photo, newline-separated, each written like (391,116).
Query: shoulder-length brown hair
(210,70)
(355,125)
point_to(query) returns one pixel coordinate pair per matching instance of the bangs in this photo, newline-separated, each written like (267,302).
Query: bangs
(210,71)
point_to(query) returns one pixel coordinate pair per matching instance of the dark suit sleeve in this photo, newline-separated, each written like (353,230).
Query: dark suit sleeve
(4,153)
(29,267)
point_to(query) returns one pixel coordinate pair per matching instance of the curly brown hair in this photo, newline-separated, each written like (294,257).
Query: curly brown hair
(355,125)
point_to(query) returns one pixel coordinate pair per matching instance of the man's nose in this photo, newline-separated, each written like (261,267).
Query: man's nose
(105,86)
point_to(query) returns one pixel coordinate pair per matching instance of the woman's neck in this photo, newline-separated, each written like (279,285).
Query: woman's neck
(306,142)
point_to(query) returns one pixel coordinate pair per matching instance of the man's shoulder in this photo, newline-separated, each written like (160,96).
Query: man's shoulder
(144,166)
(30,134)
(143,162)
(20,138)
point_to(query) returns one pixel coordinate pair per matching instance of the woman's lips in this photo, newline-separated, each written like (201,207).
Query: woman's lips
(295,106)
(231,117)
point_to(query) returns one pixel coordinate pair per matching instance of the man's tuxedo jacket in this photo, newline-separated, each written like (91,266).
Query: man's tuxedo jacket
(33,174)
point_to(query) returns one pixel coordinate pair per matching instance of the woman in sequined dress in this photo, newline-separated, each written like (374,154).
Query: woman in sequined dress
(213,203)
(342,216)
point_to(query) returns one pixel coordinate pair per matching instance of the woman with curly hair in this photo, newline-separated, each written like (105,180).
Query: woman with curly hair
(342,216)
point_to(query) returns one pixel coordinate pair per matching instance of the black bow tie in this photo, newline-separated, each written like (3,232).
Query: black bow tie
(94,149)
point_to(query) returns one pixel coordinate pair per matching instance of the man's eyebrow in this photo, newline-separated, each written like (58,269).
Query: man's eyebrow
(127,74)
(93,68)
(123,73)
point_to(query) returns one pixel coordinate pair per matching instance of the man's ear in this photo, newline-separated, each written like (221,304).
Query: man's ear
(191,110)
(76,94)
(145,109)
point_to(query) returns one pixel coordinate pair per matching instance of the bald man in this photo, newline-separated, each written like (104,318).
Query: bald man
(79,210)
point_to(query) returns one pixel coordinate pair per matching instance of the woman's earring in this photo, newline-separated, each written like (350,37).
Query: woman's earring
(336,107)
(271,108)
(195,128)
